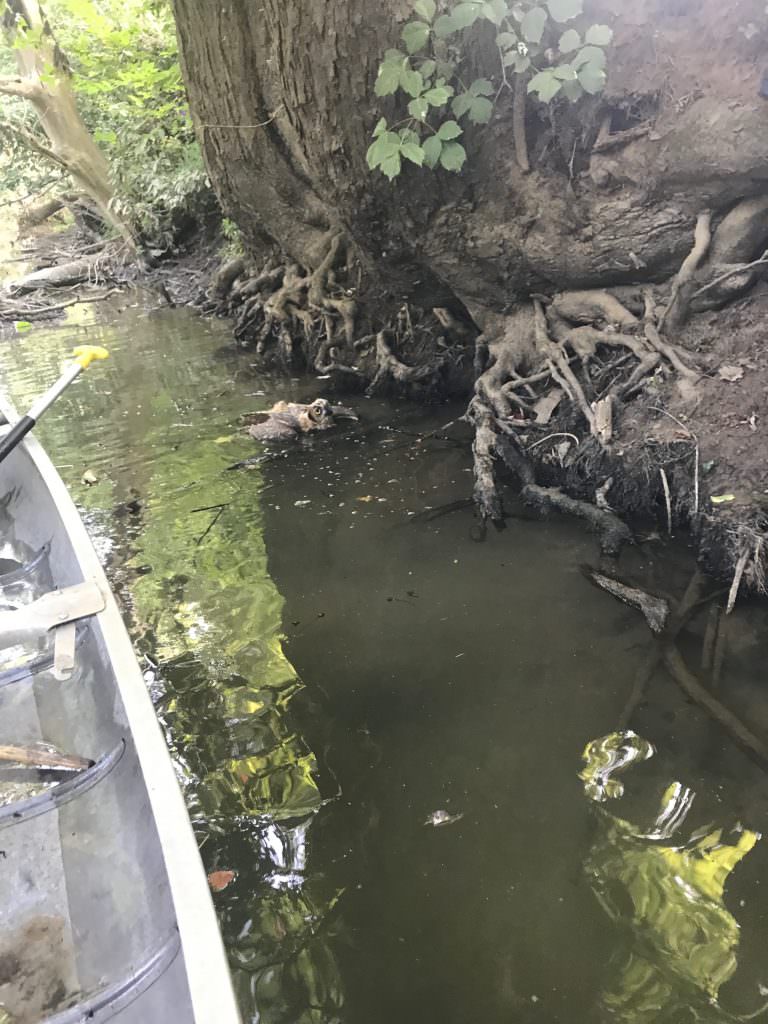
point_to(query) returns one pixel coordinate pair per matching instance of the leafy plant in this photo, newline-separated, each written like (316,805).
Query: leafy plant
(533,43)
(126,77)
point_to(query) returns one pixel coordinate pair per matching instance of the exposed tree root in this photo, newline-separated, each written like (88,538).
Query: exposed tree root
(684,284)
(613,533)
(390,370)
(654,611)
(733,725)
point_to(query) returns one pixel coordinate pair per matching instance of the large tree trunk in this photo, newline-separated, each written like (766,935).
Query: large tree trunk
(282,93)
(44,81)
(657,190)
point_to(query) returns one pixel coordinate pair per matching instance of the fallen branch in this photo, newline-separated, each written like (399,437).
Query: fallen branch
(655,610)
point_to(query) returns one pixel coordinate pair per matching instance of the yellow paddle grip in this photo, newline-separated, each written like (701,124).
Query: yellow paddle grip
(86,354)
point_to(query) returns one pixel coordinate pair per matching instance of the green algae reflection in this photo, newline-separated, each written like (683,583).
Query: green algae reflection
(679,941)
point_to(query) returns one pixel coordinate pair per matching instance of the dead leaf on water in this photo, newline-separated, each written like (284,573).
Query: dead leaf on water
(220,880)
(730,373)
(89,478)
(367,498)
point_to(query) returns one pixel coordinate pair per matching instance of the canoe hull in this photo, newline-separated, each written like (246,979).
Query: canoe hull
(104,904)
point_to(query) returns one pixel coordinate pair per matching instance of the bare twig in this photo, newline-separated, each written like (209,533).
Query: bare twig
(763,261)
(734,591)
(667,499)
(262,124)
(549,438)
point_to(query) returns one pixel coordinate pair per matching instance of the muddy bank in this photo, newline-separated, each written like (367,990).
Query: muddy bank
(630,403)
(577,401)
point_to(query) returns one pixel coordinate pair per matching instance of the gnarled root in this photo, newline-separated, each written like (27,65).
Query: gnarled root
(685,283)
(390,370)
(613,533)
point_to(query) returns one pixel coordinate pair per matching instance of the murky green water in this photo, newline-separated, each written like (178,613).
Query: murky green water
(338,674)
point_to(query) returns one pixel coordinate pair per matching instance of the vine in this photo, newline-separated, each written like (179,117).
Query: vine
(533,46)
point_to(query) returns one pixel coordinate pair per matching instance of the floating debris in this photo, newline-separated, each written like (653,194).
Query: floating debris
(220,880)
(439,818)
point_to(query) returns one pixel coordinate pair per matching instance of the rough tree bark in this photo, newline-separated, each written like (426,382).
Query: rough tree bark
(282,94)
(44,81)
(656,190)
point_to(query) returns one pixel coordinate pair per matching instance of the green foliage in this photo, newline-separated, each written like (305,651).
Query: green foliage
(126,76)
(531,41)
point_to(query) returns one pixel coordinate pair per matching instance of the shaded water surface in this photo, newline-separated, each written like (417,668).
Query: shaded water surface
(379,722)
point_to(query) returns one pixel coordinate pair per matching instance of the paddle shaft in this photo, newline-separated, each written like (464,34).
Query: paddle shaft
(19,430)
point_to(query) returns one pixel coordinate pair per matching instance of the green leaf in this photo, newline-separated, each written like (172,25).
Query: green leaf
(427,68)
(495,11)
(466,14)
(445,69)
(517,62)
(481,110)
(415,36)
(438,96)
(419,108)
(388,79)
(461,104)
(412,82)
(573,90)
(385,147)
(408,135)
(569,41)
(445,26)
(506,40)
(592,78)
(481,87)
(546,85)
(533,24)
(453,156)
(380,127)
(394,57)
(391,166)
(433,147)
(599,35)
(449,130)
(564,72)
(518,11)
(565,10)
(426,8)
(22,326)
(413,153)
(589,55)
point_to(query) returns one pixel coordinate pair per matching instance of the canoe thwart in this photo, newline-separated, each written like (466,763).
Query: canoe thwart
(30,622)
